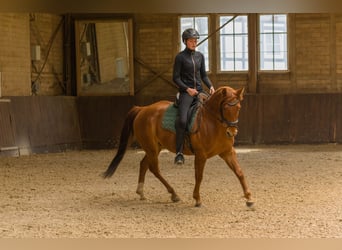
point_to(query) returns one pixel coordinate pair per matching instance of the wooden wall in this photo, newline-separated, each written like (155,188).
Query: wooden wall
(7,128)
(291,118)
(101,119)
(39,124)
(53,124)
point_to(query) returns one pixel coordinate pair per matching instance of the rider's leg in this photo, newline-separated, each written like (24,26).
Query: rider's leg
(185,101)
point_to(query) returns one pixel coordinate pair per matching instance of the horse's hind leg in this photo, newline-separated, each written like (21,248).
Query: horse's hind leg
(151,163)
(154,168)
(142,172)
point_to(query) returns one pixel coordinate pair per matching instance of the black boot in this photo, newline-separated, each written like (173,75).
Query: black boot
(179,160)
(180,133)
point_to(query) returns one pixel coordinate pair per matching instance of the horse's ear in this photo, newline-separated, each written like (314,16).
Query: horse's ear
(240,92)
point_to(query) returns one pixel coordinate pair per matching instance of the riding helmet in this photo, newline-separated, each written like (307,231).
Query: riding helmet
(190,33)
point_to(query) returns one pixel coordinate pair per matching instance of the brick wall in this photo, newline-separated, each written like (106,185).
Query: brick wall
(19,33)
(47,73)
(14,54)
(155,44)
(315,56)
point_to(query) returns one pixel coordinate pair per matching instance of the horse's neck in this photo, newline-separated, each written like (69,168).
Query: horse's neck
(210,112)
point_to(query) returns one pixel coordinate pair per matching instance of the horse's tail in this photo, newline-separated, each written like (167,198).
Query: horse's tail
(126,133)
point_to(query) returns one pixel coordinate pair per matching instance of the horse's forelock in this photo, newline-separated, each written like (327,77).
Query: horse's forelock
(227,92)
(221,93)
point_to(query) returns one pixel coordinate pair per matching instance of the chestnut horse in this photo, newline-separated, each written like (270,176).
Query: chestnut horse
(213,134)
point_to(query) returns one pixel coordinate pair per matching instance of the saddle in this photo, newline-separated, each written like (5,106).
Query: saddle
(171,112)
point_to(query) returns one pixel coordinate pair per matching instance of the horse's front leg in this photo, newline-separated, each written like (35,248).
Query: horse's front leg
(231,160)
(199,167)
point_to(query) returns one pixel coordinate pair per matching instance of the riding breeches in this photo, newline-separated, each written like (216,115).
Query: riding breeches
(184,104)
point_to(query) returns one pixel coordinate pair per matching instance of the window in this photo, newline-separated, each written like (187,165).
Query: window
(200,23)
(234,43)
(273,42)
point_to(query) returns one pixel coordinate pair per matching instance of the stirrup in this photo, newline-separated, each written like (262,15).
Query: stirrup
(179,160)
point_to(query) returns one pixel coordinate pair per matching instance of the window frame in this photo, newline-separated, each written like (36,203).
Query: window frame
(219,50)
(83,51)
(181,45)
(253,73)
(259,45)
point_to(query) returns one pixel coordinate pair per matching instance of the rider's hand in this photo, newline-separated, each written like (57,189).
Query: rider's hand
(211,90)
(192,92)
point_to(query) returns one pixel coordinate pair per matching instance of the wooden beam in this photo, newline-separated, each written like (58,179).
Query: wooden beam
(156,75)
(253,53)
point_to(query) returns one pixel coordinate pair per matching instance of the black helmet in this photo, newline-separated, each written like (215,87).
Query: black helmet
(190,33)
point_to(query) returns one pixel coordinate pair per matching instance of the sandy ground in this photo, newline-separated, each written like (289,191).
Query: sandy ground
(297,189)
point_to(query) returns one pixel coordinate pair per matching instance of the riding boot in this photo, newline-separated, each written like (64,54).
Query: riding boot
(179,160)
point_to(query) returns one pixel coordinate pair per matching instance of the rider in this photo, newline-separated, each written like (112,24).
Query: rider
(188,73)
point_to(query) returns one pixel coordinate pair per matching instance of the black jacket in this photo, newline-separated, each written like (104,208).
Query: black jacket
(189,70)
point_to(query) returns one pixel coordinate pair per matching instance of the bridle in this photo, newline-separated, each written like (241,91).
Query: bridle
(223,119)
(226,123)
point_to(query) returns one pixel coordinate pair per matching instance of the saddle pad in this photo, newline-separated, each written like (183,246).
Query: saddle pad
(169,119)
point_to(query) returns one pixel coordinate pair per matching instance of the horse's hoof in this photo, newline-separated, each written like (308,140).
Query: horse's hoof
(175,198)
(250,204)
(198,204)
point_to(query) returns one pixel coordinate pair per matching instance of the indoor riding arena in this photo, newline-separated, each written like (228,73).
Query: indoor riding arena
(69,79)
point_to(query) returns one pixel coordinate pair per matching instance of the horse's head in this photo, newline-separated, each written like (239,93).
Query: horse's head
(226,102)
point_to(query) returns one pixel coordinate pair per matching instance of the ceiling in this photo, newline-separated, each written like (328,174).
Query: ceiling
(172,6)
